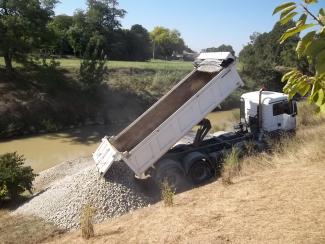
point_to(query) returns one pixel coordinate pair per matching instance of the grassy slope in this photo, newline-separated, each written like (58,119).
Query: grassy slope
(277,198)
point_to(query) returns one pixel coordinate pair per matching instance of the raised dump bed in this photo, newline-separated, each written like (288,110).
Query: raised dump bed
(161,110)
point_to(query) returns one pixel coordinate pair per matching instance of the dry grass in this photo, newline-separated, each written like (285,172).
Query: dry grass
(306,146)
(236,115)
(24,229)
(86,222)
(167,194)
(307,115)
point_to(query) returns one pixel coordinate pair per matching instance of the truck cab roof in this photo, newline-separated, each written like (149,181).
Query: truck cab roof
(268,97)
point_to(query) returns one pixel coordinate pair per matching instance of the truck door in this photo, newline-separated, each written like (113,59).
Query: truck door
(284,112)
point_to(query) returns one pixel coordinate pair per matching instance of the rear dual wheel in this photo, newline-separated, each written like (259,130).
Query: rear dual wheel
(170,171)
(198,167)
(195,168)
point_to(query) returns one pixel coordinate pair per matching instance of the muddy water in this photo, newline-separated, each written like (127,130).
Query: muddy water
(45,151)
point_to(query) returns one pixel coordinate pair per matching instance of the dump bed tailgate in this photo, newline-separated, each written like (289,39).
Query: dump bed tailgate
(105,155)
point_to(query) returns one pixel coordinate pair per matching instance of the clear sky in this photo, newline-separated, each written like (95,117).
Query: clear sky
(202,23)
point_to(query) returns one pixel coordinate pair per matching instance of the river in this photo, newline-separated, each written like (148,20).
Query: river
(47,150)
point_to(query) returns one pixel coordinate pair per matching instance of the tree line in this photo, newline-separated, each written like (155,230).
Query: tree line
(31,27)
(263,60)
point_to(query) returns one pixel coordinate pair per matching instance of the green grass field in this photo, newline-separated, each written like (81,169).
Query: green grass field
(149,65)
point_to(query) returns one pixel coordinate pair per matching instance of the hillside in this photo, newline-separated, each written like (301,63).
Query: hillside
(276,198)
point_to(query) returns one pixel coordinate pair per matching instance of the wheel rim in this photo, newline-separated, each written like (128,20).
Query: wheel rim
(199,171)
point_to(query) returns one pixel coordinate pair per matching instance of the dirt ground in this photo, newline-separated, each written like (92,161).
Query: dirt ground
(282,201)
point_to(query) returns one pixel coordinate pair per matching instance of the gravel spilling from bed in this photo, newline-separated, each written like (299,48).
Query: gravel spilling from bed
(64,197)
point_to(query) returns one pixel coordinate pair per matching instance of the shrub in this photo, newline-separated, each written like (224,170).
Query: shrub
(49,125)
(3,191)
(86,222)
(92,70)
(167,194)
(14,177)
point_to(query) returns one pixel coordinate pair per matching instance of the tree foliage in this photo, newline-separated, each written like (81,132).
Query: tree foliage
(263,59)
(23,26)
(311,47)
(92,68)
(15,178)
(221,48)
(60,26)
(166,42)
(95,25)
(139,43)
(30,27)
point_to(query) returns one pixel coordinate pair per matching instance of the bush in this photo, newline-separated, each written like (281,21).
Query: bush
(167,194)
(14,177)
(92,70)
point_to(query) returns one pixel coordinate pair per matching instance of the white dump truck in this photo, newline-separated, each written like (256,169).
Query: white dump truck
(148,145)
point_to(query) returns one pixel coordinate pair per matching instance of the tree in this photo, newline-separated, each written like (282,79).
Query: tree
(15,178)
(60,25)
(100,21)
(221,48)
(92,67)
(104,14)
(311,46)
(23,26)
(166,42)
(79,33)
(139,43)
(263,58)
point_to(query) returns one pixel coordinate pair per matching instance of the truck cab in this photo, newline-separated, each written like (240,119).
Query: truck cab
(278,113)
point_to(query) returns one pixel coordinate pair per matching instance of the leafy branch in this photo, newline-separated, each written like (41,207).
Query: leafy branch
(311,46)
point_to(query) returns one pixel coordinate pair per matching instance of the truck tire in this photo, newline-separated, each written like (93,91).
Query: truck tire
(171,171)
(197,167)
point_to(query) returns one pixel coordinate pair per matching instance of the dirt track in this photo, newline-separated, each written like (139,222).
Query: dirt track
(283,203)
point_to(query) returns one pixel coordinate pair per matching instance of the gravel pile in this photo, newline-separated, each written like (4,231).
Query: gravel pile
(62,200)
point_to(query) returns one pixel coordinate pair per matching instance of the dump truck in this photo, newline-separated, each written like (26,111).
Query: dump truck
(150,145)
